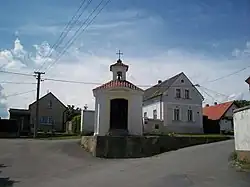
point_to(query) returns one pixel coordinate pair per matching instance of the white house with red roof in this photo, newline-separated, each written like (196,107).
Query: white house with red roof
(221,113)
(118,104)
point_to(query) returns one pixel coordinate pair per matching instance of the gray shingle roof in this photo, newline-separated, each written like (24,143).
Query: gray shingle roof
(159,89)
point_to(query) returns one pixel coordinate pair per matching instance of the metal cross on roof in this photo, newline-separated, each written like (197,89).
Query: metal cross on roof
(119,54)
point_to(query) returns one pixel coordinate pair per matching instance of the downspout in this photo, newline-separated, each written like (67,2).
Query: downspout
(161,107)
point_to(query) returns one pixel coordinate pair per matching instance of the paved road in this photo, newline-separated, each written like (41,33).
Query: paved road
(63,163)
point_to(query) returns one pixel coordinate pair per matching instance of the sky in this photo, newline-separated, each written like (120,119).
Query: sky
(204,39)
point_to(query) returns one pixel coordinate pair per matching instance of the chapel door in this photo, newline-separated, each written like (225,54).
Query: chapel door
(119,114)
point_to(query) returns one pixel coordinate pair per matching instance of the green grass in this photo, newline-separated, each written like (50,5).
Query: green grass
(202,135)
(60,137)
(191,135)
(57,136)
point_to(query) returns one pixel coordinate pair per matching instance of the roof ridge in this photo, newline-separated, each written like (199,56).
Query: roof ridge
(158,89)
(109,85)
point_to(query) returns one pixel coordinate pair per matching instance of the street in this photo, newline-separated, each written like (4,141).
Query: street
(60,163)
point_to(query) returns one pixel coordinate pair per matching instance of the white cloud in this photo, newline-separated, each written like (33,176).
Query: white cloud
(142,71)
(89,59)
(245,52)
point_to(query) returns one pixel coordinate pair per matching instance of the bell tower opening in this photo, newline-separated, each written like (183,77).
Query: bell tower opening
(119,69)
(119,75)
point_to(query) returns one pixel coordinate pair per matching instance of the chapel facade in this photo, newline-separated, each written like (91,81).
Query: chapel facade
(118,104)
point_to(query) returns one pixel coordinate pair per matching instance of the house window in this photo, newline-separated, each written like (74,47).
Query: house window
(187,96)
(176,114)
(156,126)
(46,120)
(155,114)
(145,114)
(190,115)
(178,93)
(50,104)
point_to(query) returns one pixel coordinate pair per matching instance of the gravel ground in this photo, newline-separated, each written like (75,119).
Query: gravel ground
(60,163)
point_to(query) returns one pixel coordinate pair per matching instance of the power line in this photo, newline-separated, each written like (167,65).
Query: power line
(96,83)
(214,91)
(72,81)
(66,30)
(209,95)
(8,82)
(21,93)
(74,37)
(228,75)
(16,73)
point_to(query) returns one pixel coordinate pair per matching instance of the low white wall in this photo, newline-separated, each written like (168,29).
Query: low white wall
(242,129)
(153,126)
(87,120)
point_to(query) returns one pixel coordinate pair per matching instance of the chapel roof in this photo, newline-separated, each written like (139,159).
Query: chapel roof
(118,84)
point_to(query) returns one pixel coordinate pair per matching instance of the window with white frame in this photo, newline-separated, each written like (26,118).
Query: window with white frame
(187,94)
(176,114)
(178,93)
(155,114)
(190,115)
(145,114)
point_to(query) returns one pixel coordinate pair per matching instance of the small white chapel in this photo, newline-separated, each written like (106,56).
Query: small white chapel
(118,104)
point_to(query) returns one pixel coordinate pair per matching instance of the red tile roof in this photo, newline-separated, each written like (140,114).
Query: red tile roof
(118,83)
(215,112)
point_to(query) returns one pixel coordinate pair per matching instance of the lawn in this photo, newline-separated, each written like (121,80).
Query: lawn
(202,135)
(60,137)
(57,136)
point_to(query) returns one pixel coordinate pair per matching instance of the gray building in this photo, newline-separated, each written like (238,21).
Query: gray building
(177,103)
(52,113)
(22,116)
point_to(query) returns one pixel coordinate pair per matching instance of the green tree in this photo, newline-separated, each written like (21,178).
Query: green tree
(76,122)
(242,103)
(72,112)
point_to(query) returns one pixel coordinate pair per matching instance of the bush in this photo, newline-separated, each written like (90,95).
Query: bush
(76,122)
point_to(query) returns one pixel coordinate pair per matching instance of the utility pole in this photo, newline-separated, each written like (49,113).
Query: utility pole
(38,77)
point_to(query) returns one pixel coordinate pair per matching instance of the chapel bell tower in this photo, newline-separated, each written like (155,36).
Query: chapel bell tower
(119,69)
